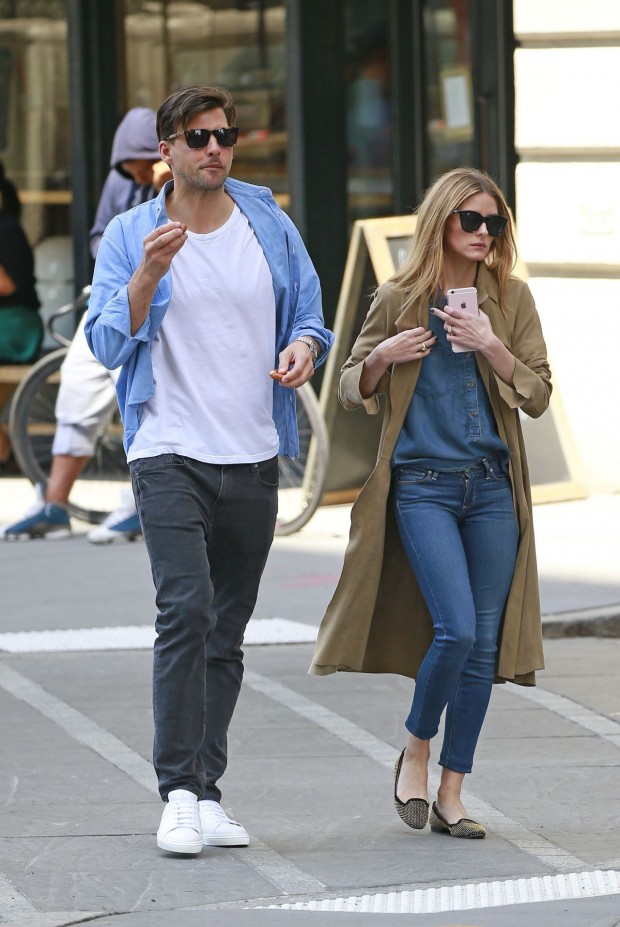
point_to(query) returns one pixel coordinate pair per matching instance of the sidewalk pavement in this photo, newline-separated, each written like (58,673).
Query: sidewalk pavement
(578,547)
(311,764)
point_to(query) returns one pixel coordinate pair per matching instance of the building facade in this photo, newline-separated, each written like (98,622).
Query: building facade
(568,208)
(348,109)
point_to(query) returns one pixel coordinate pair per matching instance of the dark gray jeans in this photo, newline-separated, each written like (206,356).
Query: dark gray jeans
(208,529)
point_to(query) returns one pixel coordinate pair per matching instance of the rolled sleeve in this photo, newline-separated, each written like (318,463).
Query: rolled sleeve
(349,390)
(374,331)
(531,390)
(309,309)
(108,323)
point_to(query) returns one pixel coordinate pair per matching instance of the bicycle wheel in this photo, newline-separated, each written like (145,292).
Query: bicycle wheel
(302,478)
(32,427)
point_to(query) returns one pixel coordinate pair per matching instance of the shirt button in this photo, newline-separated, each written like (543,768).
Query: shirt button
(473,413)
(470,385)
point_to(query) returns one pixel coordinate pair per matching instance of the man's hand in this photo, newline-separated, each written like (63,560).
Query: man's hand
(295,365)
(160,246)
(161,174)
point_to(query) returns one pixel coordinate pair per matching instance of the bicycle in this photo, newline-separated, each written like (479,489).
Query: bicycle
(32,425)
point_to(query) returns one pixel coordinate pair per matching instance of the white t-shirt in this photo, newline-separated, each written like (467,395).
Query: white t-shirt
(213,398)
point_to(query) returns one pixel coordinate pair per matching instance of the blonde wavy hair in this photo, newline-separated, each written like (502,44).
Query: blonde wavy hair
(422,271)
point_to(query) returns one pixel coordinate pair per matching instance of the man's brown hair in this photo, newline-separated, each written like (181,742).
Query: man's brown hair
(180,108)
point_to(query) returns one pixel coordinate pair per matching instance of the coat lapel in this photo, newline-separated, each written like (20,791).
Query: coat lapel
(404,376)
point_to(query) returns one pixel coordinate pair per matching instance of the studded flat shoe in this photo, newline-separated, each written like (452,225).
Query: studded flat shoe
(465,827)
(414,811)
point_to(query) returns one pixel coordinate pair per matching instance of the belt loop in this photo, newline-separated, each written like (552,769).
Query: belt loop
(434,474)
(488,468)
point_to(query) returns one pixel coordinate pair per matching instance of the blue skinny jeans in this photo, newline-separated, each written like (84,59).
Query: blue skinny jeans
(460,533)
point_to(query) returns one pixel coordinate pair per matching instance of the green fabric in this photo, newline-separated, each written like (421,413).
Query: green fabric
(21,334)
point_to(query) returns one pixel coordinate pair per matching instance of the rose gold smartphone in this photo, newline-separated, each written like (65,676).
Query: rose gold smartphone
(465,299)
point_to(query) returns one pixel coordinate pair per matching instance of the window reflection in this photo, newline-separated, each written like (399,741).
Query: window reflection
(34,121)
(35,140)
(449,105)
(238,45)
(369,111)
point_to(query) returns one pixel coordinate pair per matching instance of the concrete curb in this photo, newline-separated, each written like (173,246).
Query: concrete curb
(588,622)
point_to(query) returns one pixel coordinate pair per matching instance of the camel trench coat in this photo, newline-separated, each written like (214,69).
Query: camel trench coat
(377,620)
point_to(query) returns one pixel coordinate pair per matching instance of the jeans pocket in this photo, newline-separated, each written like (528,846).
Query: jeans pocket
(153,464)
(498,476)
(412,475)
(269,473)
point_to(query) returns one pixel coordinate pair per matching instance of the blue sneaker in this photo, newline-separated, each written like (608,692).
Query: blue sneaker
(44,520)
(122,525)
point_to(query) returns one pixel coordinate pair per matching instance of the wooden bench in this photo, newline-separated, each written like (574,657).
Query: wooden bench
(11,376)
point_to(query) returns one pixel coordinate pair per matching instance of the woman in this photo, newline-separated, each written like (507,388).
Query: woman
(21,328)
(439,580)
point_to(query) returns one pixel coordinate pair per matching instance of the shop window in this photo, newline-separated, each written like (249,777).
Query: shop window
(369,110)
(239,45)
(449,104)
(35,138)
(34,121)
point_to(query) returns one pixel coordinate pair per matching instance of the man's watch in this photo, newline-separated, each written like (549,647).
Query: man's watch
(315,351)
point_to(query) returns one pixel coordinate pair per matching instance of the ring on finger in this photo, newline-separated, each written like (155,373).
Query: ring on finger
(423,347)
(449,329)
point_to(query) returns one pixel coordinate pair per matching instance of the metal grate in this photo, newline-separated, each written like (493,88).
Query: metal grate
(473,896)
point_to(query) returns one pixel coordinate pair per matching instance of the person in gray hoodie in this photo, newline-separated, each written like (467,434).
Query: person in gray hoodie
(136,170)
(87,389)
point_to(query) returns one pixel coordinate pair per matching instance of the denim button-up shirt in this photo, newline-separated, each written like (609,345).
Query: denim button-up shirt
(450,422)
(295,283)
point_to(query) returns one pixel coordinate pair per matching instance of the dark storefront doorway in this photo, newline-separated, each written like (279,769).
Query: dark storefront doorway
(405,89)
(429,86)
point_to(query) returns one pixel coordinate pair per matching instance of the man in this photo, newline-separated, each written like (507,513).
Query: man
(196,294)
(87,389)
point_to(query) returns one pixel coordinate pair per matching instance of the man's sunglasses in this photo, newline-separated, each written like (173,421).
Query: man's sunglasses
(471,222)
(199,138)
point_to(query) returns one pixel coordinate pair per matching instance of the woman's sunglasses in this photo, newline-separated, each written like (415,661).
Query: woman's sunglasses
(471,222)
(199,138)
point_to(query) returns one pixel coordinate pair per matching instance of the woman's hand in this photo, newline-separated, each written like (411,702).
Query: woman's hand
(413,344)
(469,332)
(474,333)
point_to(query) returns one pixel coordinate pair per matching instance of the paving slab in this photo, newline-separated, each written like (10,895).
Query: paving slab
(598,912)
(578,546)
(311,758)
(318,804)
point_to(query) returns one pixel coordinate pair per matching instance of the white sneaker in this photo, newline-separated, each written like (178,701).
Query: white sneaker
(218,830)
(122,524)
(180,830)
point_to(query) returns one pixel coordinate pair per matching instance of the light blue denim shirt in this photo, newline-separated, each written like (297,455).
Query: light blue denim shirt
(450,423)
(295,283)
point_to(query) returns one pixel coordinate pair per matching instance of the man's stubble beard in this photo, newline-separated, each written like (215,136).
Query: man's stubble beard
(202,181)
